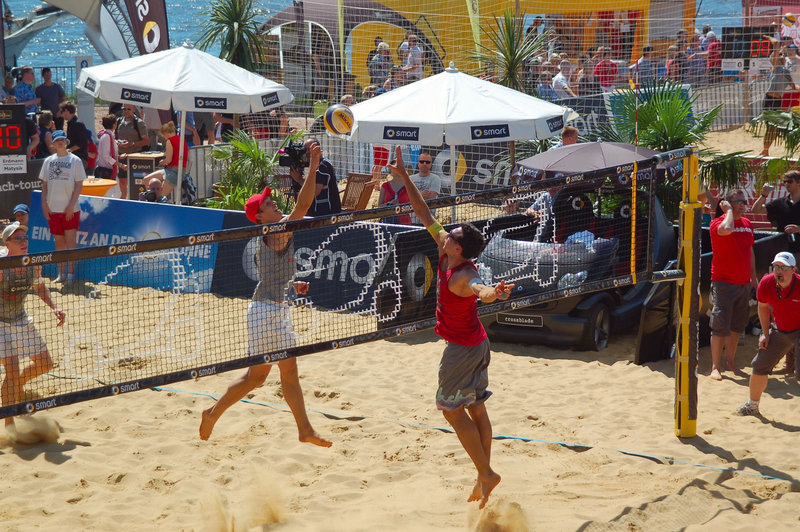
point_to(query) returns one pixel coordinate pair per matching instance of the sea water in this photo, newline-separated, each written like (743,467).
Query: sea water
(65,40)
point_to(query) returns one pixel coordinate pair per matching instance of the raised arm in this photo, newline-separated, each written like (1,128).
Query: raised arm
(421,208)
(308,191)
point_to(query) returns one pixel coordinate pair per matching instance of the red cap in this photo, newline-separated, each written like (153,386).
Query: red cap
(254,203)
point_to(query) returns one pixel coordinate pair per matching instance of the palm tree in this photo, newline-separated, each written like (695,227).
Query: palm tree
(661,116)
(509,50)
(508,53)
(232,23)
(249,168)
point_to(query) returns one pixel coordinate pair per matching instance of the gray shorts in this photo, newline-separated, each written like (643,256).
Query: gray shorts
(206,119)
(780,343)
(731,308)
(463,376)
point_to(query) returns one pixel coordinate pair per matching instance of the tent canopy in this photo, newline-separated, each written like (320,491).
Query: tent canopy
(186,78)
(457,109)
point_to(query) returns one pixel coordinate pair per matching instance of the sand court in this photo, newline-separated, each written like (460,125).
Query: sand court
(136,460)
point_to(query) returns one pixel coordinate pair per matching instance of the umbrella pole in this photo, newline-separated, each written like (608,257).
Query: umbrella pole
(453,159)
(177,196)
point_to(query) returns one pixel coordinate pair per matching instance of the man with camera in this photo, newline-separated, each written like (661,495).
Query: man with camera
(783,213)
(327,199)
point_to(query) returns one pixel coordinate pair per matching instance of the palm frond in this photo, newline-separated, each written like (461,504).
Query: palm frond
(232,23)
(509,49)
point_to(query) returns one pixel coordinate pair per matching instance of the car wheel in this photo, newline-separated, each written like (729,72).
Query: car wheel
(597,330)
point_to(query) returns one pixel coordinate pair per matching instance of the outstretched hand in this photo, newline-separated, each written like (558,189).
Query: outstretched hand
(503,290)
(398,160)
(300,287)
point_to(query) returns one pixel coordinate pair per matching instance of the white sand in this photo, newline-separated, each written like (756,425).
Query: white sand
(135,460)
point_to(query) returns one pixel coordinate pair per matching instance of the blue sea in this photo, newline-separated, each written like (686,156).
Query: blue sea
(59,45)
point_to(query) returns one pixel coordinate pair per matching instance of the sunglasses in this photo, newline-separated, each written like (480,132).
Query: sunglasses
(18,239)
(781,267)
(425,162)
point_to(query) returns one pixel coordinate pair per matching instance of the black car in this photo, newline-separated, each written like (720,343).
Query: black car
(588,320)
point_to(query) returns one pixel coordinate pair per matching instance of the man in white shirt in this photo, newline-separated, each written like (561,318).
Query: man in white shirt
(412,66)
(62,178)
(561,81)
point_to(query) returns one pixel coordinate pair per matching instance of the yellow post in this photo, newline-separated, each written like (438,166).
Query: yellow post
(688,304)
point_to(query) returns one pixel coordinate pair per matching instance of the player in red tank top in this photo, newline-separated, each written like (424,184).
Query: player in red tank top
(463,375)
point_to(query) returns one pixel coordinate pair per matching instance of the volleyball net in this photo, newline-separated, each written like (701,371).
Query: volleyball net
(161,308)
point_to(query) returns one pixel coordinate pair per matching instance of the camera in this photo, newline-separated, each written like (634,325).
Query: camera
(294,156)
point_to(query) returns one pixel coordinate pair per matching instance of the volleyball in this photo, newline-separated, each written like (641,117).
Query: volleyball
(789,19)
(338,119)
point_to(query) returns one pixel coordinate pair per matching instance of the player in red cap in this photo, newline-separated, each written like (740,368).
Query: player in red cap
(269,319)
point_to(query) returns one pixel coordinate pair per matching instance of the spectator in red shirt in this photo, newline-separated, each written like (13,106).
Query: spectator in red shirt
(714,58)
(733,272)
(606,70)
(777,292)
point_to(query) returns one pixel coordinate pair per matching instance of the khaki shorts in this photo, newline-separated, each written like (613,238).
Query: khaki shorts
(731,310)
(463,376)
(780,343)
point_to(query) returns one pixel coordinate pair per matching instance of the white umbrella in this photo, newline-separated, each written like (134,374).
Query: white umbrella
(456,108)
(187,79)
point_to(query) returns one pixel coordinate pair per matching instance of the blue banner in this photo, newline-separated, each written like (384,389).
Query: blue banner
(115,222)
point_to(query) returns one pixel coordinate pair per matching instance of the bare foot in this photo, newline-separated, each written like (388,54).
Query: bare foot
(487,485)
(715,375)
(207,424)
(315,438)
(477,493)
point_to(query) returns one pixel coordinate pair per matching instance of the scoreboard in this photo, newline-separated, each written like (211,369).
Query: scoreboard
(18,177)
(745,48)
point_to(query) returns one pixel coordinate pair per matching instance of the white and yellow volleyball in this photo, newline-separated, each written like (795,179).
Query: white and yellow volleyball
(338,119)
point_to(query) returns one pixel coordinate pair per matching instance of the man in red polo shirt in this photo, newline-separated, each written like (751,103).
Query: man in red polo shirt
(606,70)
(733,273)
(779,293)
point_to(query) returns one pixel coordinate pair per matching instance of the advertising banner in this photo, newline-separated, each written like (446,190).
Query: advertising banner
(149,23)
(120,223)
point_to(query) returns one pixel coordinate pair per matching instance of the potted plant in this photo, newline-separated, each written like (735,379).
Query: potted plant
(248,169)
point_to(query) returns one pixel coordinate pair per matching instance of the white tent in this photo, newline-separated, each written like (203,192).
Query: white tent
(188,80)
(455,108)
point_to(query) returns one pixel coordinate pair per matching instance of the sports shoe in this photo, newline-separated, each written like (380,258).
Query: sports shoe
(59,279)
(747,409)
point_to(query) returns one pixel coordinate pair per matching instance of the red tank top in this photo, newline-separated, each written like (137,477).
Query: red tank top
(175,147)
(456,316)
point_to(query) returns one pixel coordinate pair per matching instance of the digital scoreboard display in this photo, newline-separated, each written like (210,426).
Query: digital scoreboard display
(13,130)
(746,47)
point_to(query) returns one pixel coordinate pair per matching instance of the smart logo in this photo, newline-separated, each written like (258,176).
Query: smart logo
(270,99)
(90,84)
(132,95)
(210,103)
(401,133)
(494,131)
(555,124)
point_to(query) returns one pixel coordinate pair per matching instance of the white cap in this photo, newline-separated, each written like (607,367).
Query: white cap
(12,228)
(711,35)
(785,258)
